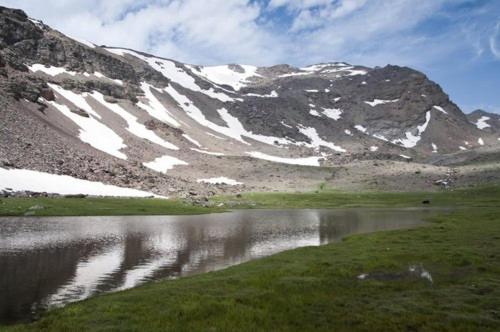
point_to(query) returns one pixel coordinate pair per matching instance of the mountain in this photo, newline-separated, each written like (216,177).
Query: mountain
(130,119)
(488,122)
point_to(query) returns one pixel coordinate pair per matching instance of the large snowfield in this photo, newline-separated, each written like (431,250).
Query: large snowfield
(28,180)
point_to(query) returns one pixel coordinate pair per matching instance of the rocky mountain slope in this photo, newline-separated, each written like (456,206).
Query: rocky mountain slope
(130,119)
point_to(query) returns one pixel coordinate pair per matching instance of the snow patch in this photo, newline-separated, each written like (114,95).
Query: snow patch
(208,152)
(376,102)
(154,107)
(83,41)
(218,137)
(234,127)
(480,141)
(314,113)
(373,148)
(76,99)
(23,179)
(434,148)
(133,126)
(273,94)
(308,161)
(348,132)
(163,164)
(36,22)
(333,113)
(50,70)
(404,156)
(192,140)
(224,75)
(170,70)
(411,140)
(94,132)
(440,109)
(380,137)
(99,75)
(317,141)
(361,128)
(481,122)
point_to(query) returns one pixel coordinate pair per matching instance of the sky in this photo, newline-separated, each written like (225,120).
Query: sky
(454,42)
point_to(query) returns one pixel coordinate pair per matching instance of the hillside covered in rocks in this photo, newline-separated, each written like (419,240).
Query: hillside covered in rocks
(129,119)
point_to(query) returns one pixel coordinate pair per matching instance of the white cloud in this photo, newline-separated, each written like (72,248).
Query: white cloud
(374,32)
(495,41)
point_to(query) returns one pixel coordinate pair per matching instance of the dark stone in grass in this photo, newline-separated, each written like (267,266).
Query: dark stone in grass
(76,196)
(427,201)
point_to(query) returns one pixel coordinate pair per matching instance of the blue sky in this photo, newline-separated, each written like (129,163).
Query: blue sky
(455,42)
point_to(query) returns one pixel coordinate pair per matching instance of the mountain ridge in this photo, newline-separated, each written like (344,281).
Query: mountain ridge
(129,118)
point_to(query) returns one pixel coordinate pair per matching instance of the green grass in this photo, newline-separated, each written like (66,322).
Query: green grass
(485,196)
(317,288)
(96,207)
(320,199)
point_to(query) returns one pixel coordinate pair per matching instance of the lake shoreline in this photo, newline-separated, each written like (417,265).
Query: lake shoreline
(388,280)
(107,206)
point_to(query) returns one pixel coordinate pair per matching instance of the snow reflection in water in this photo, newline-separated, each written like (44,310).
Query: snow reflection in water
(56,260)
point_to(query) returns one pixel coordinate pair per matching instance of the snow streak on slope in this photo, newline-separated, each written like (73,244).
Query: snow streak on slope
(136,128)
(50,70)
(317,141)
(273,94)
(308,161)
(155,108)
(224,75)
(481,122)
(76,99)
(93,132)
(440,109)
(22,179)
(332,68)
(192,140)
(176,74)
(234,127)
(411,140)
(360,128)
(54,71)
(208,152)
(376,102)
(163,164)
(99,75)
(333,113)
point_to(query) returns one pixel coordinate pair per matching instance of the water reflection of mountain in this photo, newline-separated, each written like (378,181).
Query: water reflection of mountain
(69,259)
(335,226)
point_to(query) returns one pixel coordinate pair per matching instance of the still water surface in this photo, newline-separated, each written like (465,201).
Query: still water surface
(51,261)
